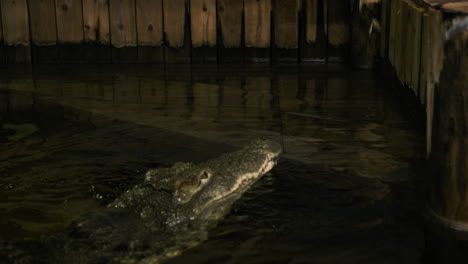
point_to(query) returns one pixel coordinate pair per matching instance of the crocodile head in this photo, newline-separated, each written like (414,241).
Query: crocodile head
(205,192)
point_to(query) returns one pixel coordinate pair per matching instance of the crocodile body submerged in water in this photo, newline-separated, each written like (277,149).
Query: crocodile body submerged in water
(159,218)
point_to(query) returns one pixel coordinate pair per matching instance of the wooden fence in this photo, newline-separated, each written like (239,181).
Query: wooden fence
(174,30)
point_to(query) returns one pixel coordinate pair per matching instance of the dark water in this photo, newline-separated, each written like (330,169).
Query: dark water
(347,189)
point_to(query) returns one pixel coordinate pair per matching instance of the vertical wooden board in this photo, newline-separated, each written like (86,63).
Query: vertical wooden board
(15,22)
(123,23)
(384,28)
(96,21)
(286,29)
(203,22)
(416,55)
(312,35)
(425,58)
(149,22)
(257,29)
(149,17)
(123,31)
(69,21)
(203,30)
(230,14)
(176,31)
(43,28)
(338,29)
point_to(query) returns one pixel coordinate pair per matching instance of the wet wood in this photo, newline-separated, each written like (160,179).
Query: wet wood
(15,22)
(203,30)
(230,13)
(149,16)
(15,27)
(338,29)
(96,21)
(366,34)
(177,40)
(313,35)
(448,159)
(43,22)
(286,18)
(69,21)
(257,28)
(123,31)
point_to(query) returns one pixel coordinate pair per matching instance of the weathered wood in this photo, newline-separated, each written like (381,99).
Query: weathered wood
(15,22)
(96,21)
(286,36)
(177,40)
(69,21)
(313,35)
(15,27)
(149,17)
(257,30)
(338,29)
(123,31)
(384,27)
(2,51)
(203,28)
(448,158)
(43,22)
(230,39)
(366,34)
(436,41)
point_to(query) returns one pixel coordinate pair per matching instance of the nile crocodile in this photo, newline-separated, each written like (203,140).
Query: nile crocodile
(157,219)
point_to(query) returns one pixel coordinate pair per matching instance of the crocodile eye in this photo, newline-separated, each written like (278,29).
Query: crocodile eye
(205,177)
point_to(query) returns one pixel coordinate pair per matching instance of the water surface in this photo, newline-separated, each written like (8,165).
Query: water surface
(346,190)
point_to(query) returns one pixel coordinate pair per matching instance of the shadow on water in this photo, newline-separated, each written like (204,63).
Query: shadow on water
(345,191)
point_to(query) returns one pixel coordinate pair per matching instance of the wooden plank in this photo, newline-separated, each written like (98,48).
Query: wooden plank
(123,31)
(425,58)
(96,21)
(15,22)
(2,51)
(385,28)
(69,21)
(43,28)
(286,30)
(203,29)
(338,29)
(69,30)
(149,18)
(230,35)
(257,30)
(177,40)
(15,27)
(313,36)
(416,49)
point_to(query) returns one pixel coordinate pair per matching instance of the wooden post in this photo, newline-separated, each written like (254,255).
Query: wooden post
(447,241)
(176,31)
(2,51)
(230,37)
(123,31)
(43,27)
(96,30)
(286,30)
(69,30)
(365,34)
(150,30)
(312,36)
(257,31)
(338,15)
(15,31)
(203,29)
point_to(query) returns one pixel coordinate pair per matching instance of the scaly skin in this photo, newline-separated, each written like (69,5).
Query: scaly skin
(155,220)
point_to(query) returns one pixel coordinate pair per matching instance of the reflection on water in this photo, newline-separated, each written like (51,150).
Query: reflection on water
(73,139)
